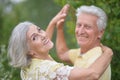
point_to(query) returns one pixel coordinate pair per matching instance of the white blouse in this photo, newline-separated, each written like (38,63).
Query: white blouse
(45,70)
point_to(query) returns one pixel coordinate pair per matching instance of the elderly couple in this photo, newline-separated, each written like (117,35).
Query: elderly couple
(29,47)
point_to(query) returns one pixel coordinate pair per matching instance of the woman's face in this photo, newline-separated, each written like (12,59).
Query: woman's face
(38,41)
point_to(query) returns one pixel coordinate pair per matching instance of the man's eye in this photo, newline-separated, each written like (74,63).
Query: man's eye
(79,25)
(88,27)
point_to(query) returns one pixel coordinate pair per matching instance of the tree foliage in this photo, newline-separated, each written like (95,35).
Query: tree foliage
(41,12)
(111,37)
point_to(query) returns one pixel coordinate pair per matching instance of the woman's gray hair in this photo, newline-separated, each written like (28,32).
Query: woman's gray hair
(18,47)
(102,17)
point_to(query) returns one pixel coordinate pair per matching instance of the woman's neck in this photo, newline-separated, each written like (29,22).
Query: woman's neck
(44,56)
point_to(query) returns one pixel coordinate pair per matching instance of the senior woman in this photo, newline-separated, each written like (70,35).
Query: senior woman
(29,50)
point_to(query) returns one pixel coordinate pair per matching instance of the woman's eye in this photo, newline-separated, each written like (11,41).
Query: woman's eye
(39,30)
(34,38)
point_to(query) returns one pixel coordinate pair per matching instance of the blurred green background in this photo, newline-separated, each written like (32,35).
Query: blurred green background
(41,12)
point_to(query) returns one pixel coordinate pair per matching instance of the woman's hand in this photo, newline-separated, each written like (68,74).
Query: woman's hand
(60,17)
(106,49)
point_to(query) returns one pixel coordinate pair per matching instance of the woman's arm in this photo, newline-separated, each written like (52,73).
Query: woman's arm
(95,70)
(59,17)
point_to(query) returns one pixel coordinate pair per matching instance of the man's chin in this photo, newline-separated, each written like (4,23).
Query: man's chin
(82,44)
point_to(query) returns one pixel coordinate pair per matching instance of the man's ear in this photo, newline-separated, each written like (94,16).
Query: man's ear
(101,34)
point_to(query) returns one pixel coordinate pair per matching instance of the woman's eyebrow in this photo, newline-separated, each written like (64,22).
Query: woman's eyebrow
(38,28)
(33,34)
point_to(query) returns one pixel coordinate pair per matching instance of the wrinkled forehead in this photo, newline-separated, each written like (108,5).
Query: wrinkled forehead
(32,29)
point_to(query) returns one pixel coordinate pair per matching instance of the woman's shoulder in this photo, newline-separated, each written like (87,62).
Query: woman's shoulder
(38,63)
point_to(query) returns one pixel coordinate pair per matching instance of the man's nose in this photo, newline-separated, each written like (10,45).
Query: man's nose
(81,30)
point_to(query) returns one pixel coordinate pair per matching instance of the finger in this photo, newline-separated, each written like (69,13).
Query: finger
(66,8)
(103,47)
(63,16)
(61,11)
(60,23)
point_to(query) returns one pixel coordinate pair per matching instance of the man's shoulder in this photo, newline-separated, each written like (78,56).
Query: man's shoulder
(74,50)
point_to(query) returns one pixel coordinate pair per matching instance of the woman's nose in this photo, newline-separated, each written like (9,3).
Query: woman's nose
(43,35)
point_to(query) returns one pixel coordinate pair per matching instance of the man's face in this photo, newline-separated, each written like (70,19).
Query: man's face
(87,32)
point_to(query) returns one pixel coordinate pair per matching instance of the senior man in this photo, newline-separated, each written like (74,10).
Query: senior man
(90,25)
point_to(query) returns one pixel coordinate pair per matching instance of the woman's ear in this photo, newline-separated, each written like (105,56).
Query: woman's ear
(31,53)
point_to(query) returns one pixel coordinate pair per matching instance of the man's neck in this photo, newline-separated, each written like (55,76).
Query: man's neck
(85,49)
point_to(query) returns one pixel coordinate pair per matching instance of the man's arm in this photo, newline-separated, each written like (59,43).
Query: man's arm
(61,46)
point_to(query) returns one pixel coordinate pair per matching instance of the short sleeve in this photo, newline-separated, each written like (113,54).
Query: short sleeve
(73,54)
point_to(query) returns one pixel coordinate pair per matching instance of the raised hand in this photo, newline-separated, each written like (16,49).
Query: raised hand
(60,17)
(107,50)
(57,20)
